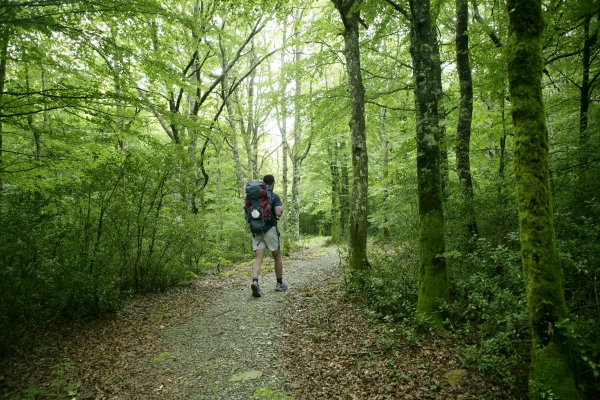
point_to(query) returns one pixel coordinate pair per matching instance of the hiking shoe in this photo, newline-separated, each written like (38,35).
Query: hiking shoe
(281,287)
(255,289)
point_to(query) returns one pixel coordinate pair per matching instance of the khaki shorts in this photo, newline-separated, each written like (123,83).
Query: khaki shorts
(270,240)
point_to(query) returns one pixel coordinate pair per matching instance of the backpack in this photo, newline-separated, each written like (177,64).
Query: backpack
(258,207)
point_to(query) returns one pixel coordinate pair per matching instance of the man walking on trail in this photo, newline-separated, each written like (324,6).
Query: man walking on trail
(269,240)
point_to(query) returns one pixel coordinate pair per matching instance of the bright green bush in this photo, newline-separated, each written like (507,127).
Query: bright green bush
(488,311)
(79,246)
(578,231)
(390,286)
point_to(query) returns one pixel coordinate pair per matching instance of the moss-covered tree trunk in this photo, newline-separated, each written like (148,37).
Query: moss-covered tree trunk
(357,246)
(384,167)
(294,210)
(465,117)
(4,37)
(551,361)
(285,148)
(433,281)
(339,188)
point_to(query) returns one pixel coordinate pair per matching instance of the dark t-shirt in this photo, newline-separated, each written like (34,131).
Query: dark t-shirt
(276,203)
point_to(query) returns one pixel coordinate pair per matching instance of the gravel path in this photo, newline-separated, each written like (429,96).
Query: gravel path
(228,351)
(193,340)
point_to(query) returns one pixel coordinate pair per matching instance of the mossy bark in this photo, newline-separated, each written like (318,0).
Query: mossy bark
(332,150)
(285,147)
(4,38)
(433,286)
(357,235)
(552,363)
(465,117)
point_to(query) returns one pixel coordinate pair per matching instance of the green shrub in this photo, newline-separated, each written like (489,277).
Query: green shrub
(488,312)
(81,246)
(390,286)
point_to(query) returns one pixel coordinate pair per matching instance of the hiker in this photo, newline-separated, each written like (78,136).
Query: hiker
(270,240)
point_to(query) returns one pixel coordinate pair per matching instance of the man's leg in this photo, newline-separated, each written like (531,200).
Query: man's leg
(278,263)
(259,255)
(280,286)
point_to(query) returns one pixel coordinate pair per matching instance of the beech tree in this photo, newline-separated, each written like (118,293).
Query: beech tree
(551,364)
(465,115)
(357,245)
(433,280)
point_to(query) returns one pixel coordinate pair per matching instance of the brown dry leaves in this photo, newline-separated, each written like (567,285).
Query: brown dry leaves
(330,351)
(112,357)
(333,352)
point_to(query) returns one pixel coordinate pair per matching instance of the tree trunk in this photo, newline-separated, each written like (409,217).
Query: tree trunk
(294,216)
(584,101)
(444,167)
(339,190)
(465,116)
(233,144)
(334,170)
(117,74)
(249,130)
(344,192)
(551,363)
(357,246)
(384,167)
(433,280)
(503,160)
(251,127)
(284,142)
(4,38)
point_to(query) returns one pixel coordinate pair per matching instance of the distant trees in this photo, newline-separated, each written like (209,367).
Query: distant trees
(109,133)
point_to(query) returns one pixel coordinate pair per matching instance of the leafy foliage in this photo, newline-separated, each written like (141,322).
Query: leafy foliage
(488,311)
(101,199)
(80,248)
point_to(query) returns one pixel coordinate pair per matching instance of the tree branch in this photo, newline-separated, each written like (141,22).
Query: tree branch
(399,8)
(157,115)
(257,28)
(388,107)
(488,29)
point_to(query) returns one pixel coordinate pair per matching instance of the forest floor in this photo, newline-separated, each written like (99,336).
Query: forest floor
(209,339)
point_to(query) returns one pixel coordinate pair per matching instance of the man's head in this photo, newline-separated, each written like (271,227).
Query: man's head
(269,179)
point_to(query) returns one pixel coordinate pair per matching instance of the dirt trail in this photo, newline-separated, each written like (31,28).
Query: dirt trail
(186,343)
(229,351)
(210,339)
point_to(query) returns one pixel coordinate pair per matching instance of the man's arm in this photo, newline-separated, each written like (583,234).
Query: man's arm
(278,211)
(277,206)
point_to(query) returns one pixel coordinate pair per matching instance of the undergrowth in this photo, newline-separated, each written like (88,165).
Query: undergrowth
(487,312)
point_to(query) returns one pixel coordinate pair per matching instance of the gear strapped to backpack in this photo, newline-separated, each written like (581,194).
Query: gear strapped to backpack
(258,207)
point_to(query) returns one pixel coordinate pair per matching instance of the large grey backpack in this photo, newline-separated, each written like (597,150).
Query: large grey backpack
(258,207)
